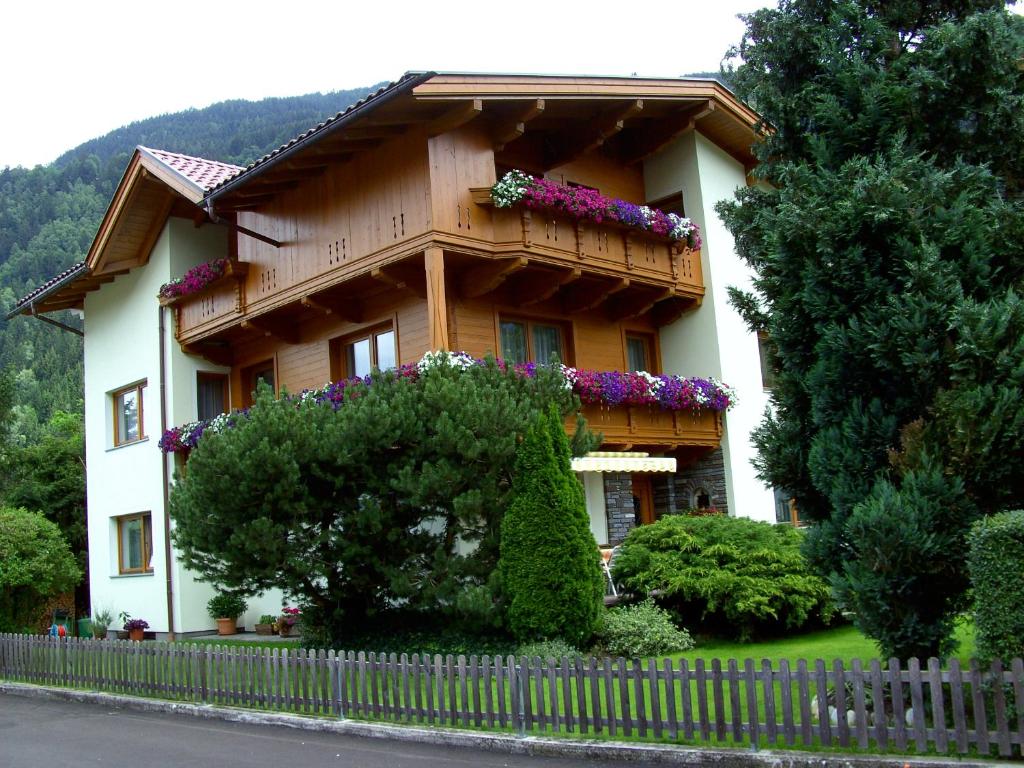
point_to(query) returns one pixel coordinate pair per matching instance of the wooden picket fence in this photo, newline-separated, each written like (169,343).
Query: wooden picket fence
(877,707)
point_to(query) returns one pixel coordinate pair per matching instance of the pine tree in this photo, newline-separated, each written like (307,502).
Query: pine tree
(887,247)
(549,568)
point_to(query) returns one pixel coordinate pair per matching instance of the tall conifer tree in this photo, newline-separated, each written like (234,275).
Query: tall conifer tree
(887,247)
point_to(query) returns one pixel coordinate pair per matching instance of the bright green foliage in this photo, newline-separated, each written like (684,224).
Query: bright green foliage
(547,649)
(549,559)
(737,576)
(889,255)
(226,605)
(996,562)
(351,510)
(643,629)
(35,564)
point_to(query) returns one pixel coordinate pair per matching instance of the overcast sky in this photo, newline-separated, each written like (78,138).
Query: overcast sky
(73,71)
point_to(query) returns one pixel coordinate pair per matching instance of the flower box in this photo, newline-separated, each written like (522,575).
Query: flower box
(201,279)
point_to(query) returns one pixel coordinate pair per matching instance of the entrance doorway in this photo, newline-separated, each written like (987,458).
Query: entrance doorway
(643,498)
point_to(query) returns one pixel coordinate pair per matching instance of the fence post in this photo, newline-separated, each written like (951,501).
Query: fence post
(338,690)
(520,709)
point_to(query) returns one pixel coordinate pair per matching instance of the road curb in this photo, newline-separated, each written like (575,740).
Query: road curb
(529,745)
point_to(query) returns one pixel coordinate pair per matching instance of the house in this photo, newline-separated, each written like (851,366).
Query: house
(374,238)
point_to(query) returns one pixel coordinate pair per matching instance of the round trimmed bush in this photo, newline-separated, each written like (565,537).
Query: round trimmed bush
(643,629)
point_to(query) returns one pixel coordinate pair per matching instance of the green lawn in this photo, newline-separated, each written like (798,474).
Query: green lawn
(844,643)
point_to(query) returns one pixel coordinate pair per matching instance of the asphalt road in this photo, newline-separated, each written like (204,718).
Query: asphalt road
(36,733)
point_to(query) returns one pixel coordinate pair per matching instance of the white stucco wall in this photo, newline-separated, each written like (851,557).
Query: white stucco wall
(122,347)
(713,340)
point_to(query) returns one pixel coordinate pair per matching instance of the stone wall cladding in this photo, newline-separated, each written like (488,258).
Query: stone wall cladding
(618,500)
(675,493)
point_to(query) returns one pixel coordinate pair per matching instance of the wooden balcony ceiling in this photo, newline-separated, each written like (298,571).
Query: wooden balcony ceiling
(538,122)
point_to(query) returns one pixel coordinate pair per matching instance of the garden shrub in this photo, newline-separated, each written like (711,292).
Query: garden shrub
(642,629)
(549,560)
(995,560)
(740,577)
(35,563)
(547,649)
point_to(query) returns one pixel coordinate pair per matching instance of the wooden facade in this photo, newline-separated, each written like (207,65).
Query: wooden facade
(395,229)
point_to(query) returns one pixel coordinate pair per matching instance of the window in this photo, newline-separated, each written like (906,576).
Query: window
(766,351)
(211,394)
(669,204)
(525,341)
(253,375)
(135,543)
(639,353)
(786,510)
(374,350)
(128,414)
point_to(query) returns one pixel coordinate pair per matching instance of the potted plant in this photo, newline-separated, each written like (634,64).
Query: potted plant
(265,626)
(135,628)
(287,620)
(226,607)
(101,619)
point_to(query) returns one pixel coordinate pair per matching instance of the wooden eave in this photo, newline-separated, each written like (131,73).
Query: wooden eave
(572,115)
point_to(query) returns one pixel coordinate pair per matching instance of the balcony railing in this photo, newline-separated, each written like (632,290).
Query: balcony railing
(652,425)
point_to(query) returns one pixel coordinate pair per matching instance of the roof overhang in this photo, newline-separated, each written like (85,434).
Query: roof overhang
(622,461)
(547,118)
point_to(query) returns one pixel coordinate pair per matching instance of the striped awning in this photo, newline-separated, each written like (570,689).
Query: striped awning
(622,461)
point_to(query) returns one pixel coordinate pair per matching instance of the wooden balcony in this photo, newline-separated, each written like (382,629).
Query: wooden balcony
(646,425)
(608,249)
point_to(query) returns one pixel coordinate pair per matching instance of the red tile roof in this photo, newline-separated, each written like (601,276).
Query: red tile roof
(206,174)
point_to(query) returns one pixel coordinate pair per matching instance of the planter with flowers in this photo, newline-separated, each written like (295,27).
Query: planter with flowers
(267,625)
(287,621)
(225,608)
(201,278)
(136,628)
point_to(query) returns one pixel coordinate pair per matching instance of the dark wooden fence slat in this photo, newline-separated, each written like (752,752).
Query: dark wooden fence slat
(641,705)
(700,677)
(878,707)
(581,696)
(478,709)
(899,712)
(654,691)
(1017,673)
(842,705)
(786,700)
(595,696)
(999,703)
(956,700)
(821,691)
(719,696)
(537,680)
(671,718)
(499,686)
(568,716)
(804,701)
(860,710)
(624,703)
(768,691)
(485,673)
(613,720)
(917,704)
(938,705)
(464,691)
(736,709)
(687,699)
(550,667)
(750,683)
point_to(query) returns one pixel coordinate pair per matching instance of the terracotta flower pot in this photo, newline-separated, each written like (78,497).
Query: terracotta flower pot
(285,630)
(227,626)
(136,634)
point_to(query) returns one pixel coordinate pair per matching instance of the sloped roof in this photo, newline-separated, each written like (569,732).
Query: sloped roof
(205,174)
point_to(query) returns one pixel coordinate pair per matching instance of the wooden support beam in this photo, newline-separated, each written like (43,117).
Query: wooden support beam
(485,278)
(455,117)
(399,281)
(663,133)
(606,126)
(221,355)
(289,335)
(544,285)
(510,131)
(264,189)
(625,308)
(349,309)
(580,298)
(437,302)
(668,311)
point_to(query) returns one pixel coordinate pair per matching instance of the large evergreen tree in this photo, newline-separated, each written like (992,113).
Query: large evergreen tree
(394,498)
(887,247)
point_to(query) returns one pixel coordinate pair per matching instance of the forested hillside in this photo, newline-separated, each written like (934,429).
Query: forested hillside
(49,214)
